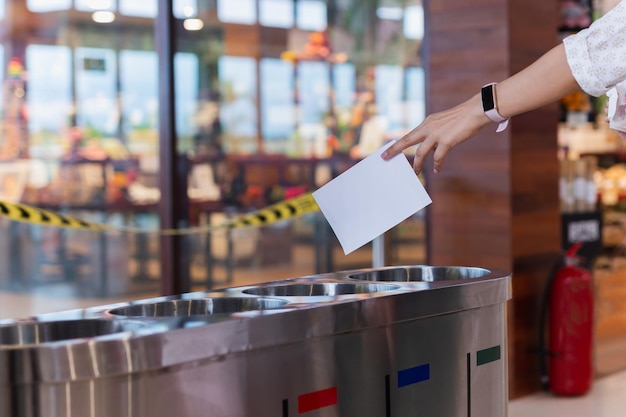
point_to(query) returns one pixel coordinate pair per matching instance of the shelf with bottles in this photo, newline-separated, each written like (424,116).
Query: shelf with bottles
(578,185)
(611,186)
(591,175)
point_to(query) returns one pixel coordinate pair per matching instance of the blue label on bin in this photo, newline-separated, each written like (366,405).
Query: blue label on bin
(413,375)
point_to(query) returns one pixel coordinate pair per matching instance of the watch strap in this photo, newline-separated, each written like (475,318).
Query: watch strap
(492,113)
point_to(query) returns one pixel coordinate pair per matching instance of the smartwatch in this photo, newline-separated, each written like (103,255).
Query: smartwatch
(490,106)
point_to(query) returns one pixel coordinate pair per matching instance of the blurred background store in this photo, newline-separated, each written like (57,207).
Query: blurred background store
(272,98)
(116,112)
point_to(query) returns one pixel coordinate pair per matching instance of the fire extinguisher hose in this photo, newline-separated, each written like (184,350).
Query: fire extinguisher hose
(543,319)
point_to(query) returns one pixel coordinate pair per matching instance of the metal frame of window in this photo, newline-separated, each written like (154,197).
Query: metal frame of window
(174,203)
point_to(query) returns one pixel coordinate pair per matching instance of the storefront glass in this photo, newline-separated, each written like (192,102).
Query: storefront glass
(273,98)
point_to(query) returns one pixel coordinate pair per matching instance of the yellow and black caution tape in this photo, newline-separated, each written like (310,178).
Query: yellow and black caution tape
(284,210)
(29,214)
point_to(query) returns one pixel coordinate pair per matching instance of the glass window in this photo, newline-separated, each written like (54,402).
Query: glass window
(237,77)
(237,11)
(3,8)
(388,79)
(390,13)
(91,5)
(276,13)
(313,91)
(186,88)
(2,70)
(49,103)
(277,99)
(96,90)
(140,8)
(185,8)
(91,90)
(414,22)
(42,6)
(253,129)
(139,100)
(312,15)
(344,85)
(415,96)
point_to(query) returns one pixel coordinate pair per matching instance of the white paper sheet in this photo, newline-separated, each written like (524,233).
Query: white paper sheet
(370,198)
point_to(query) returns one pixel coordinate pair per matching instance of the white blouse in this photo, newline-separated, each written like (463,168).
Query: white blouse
(597,55)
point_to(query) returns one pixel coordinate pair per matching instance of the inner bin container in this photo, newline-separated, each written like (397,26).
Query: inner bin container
(197,307)
(29,333)
(421,274)
(319,289)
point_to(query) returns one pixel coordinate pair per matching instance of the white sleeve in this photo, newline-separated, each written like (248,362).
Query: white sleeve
(597,55)
(616,109)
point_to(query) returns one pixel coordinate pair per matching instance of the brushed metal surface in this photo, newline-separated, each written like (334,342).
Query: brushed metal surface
(397,341)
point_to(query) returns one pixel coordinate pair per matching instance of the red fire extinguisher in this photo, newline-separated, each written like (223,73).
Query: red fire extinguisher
(571,312)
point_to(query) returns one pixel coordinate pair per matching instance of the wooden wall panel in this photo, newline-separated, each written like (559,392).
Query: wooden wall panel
(495,204)
(274,41)
(469,220)
(241,40)
(534,176)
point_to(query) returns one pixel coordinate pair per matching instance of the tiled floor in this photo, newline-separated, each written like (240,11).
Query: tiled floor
(607,398)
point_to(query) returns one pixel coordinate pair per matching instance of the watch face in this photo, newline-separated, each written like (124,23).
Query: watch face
(487,96)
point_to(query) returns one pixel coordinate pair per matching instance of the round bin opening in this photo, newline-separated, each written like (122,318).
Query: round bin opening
(197,307)
(319,289)
(421,274)
(54,331)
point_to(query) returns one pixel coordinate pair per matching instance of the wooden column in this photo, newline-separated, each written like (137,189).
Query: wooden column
(495,204)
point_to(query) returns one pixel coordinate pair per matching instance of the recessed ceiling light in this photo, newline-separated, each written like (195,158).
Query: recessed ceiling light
(193,24)
(103,17)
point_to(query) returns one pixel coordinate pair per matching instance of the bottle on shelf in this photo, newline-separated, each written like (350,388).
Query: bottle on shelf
(577,187)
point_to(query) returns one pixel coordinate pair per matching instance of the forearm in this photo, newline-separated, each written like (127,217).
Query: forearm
(545,81)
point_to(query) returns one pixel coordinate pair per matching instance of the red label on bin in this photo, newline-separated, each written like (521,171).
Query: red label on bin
(318,399)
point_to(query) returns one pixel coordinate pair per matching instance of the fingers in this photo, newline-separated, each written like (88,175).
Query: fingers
(438,156)
(426,146)
(439,150)
(433,143)
(406,141)
(439,132)
(420,155)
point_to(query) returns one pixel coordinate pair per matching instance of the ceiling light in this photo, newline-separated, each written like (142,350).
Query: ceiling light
(193,24)
(103,17)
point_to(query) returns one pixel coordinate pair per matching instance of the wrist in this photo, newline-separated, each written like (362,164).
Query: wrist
(477,112)
(489,103)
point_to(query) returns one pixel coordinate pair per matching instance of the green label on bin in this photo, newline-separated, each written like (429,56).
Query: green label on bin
(491,354)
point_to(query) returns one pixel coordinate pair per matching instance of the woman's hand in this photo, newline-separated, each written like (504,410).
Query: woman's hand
(439,132)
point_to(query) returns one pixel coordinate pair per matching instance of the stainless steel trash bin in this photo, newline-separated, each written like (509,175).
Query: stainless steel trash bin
(397,341)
